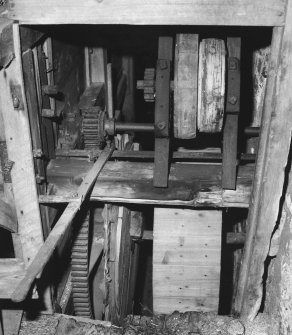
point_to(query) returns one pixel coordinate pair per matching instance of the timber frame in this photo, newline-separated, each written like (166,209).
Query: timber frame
(276,124)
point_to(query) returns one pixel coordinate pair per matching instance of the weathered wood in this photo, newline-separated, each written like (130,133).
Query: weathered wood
(189,184)
(211,85)
(211,154)
(128,109)
(162,112)
(94,95)
(232,113)
(109,91)
(45,252)
(186,259)
(186,85)
(29,37)
(11,320)
(11,272)
(270,172)
(7,217)
(6,43)
(211,12)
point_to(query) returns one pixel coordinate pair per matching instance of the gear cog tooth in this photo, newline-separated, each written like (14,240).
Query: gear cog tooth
(79,270)
(93,128)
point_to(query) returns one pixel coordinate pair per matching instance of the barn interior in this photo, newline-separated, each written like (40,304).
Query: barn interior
(145,166)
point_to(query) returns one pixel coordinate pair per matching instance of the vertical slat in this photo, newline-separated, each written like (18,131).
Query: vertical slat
(230,130)
(186,85)
(272,159)
(161,157)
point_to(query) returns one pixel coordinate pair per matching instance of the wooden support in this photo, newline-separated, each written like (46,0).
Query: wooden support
(229,160)
(45,252)
(186,260)
(149,12)
(270,172)
(109,91)
(211,85)
(6,43)
(186,85)
(162,113)
(189,184)
(94,95)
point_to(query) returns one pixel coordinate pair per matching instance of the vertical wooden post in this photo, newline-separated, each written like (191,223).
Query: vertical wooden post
(229,158)
(272,159)
(161,157)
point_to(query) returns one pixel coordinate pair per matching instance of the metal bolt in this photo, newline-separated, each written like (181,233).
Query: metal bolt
(161,125)
(37,153)
(16,102)
(232,100)
(232,64)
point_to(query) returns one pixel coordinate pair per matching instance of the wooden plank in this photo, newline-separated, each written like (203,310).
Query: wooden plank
(29,37)
(270,173)
(189,184)
(186,259)
(19,149)
(229,160)
(6,43)
(211,85)
(186,85)
(11,272)
(46,251)
(191,12)
(162,112)
(7,217)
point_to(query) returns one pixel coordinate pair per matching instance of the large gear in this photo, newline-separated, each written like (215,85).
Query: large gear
(93,128)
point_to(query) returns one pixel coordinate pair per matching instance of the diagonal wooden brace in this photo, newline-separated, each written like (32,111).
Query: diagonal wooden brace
(57,233)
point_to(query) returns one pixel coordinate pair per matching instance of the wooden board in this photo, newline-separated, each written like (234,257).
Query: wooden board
(186,260)
(11,272)
(186,85)
(270,176)
(190,12)
(211,85)
(189,184)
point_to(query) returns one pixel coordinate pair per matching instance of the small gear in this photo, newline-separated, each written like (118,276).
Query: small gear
(93,128)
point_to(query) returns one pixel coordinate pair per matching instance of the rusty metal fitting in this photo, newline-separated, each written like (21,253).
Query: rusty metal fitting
(37,153)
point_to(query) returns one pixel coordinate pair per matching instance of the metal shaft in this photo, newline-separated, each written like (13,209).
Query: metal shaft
(131,126)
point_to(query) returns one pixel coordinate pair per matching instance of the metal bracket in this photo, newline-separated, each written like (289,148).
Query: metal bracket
(6,164)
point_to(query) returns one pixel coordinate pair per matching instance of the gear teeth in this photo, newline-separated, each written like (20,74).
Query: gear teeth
(79,271)
(92,128)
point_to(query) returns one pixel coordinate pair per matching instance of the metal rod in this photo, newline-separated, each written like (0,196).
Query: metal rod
(131,126)
(252,131)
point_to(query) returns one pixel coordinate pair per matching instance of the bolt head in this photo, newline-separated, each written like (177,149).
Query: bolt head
(16,102)
(232,100)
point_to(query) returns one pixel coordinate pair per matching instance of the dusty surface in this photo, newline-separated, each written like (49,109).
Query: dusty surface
(190,323)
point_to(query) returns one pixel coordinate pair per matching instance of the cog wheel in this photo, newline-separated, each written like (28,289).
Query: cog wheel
(93,128)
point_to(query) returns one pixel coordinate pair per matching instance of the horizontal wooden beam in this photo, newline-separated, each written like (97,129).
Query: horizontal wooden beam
(191,185)
(150,12)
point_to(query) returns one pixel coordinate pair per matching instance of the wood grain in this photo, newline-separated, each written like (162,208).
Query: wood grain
(186,85)
(174,12)
(189,184)
(186,259)
(211,85)
(270,172)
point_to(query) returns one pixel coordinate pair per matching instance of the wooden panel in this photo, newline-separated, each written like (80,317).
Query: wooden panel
(20,151)
(186,259)
(189,12)
(211,85)
(186,85)
(189,184)
(6,43)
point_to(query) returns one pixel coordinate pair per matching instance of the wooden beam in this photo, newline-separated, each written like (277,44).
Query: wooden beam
(150,12)
(270,172)
(6,43)
(229,160)
(45,252)
(189,184)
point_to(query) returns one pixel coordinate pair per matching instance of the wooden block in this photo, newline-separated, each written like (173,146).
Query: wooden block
(94,95)
(211,85)
(186,85)
(186,260)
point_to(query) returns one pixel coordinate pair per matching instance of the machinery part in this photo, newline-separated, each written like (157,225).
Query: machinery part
(93,128)
(185,86)
(80,269)
(211,85)
(148,84)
